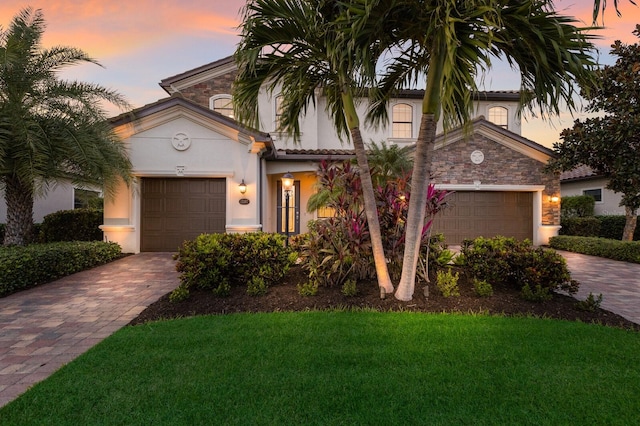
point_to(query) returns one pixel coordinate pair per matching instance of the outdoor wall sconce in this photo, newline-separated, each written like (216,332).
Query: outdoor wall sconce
(242,187)
(554,198)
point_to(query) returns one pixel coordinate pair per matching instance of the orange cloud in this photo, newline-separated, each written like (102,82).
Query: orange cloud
(117,27)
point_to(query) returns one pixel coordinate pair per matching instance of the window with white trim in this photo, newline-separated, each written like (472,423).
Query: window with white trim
(595,193)
(499,116)
(402,121)
(222,104)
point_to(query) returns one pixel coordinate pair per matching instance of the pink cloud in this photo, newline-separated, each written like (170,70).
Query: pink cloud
(116,27)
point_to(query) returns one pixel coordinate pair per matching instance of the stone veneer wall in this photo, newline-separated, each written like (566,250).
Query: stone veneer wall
(201,92)
(501,166)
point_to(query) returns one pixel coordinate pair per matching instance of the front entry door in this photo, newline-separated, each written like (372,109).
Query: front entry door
(293,211)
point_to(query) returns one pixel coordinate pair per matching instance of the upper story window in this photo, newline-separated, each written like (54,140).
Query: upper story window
(402,121)
(499,116)
(222,104)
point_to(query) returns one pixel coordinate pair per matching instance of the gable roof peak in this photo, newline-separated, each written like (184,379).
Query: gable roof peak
(203,72)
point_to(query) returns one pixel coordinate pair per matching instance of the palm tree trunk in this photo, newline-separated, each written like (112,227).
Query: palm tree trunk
(630,224)
(19,199)
(371,211)
(417,205)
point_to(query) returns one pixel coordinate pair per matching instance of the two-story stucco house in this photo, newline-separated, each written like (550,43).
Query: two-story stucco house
(190,157)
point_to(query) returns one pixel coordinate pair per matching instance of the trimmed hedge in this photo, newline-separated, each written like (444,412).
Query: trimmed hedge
(29,266)
(612,227)
(577,206)
(627,251)
(72,225)
(582,226)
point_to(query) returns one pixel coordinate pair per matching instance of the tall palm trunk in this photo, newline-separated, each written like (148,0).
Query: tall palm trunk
(371,211)
(19,199)
(421,173)
(630,224)
(417,206)
(370,207)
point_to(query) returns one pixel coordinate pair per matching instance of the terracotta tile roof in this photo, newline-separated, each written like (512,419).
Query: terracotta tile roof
(580,172)
(312,154)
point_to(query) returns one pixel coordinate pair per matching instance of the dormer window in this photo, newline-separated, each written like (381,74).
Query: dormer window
(222,104)
(499,116)
(402,124)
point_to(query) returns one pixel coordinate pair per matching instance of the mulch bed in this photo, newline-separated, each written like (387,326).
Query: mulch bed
(284,297)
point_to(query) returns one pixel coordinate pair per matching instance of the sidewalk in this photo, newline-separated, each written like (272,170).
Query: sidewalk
(43,328)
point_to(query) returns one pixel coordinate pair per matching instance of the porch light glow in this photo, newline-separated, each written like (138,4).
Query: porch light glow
(554,198)
(287,181)
(242,187)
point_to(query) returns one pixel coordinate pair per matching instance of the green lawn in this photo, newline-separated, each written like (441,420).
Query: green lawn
(346,368)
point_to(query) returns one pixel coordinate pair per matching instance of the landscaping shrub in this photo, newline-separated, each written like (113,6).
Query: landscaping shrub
(507,261)
(482,288)
(582,226)
(627,251)
(447,282)
(612,227)
(577,206)
(220,261)
(2,231)
(72,225)
(28,266)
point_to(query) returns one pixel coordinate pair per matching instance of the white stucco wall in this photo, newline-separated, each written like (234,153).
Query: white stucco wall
(318,132)
(212,152)
(59,197)
(610,204)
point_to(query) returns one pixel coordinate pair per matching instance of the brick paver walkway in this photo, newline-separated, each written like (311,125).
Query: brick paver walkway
(43,328)
(618,282)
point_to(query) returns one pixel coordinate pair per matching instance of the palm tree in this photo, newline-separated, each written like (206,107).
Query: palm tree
(50,129)
(300,47)
(452,43)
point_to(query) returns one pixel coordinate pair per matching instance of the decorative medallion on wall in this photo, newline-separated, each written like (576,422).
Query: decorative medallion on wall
(477,157)
(181,141)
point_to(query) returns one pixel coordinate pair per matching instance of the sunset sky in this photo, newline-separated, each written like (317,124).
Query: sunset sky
(141,42)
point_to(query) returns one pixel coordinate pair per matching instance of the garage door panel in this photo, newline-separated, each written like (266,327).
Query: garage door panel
(474,214)
(177,209)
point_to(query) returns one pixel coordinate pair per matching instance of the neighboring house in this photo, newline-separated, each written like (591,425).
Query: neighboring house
(584,181)
(190,156)
(62,196)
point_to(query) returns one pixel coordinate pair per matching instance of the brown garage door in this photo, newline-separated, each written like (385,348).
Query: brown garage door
(486,214)
(178,209)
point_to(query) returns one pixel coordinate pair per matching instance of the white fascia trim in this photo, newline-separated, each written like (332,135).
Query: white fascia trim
(187,173)
(176,112)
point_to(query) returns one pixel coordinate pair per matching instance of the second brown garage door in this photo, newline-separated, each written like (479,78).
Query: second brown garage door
(177,209)
(486,214)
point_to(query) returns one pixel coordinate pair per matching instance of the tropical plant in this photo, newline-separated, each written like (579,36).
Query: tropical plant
(301,47)
(50,130)
(389,162)
(452,43)
(609,144)
(338,248)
